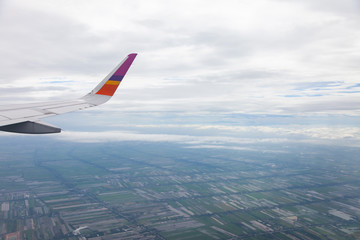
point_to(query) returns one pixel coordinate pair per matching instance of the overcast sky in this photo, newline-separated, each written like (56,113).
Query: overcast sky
(255,56)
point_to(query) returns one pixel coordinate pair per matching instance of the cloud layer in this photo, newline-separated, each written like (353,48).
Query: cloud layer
(251,138)
(274,57)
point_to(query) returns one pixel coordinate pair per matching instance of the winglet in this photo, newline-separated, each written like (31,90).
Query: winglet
(111,82)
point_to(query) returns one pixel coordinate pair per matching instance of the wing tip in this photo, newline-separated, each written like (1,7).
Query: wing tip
(109,87)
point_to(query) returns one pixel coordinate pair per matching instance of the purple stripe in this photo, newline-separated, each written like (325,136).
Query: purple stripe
(116,78)
(125,66)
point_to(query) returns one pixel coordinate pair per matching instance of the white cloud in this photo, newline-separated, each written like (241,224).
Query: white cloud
(282,132)
(107,136)
(249,138)
(241,56)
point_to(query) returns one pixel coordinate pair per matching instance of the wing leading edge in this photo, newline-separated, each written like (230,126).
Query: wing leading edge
(26,118)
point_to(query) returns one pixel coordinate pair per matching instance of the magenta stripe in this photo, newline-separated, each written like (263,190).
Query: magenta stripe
(116,78)
(125,66)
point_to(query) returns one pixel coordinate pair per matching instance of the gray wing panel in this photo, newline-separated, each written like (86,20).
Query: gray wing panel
(30,128)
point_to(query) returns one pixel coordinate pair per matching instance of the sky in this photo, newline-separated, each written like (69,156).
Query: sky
(291,66)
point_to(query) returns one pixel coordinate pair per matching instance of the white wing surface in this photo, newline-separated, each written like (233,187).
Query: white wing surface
(25,118)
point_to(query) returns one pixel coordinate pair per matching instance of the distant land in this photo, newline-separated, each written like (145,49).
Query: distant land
(55,189)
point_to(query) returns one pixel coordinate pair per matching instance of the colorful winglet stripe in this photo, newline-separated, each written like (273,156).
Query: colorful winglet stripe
(113,82)
(116,78)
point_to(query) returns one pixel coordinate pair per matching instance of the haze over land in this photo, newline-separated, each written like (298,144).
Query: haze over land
(238,119)
(163,190)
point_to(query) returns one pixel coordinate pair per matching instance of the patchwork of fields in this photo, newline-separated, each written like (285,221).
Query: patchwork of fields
(167,191)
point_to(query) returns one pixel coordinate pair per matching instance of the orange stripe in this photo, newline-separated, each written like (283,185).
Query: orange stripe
(107,89)
(113,82)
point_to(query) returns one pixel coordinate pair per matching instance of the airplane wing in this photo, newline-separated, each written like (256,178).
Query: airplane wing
(25,118)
